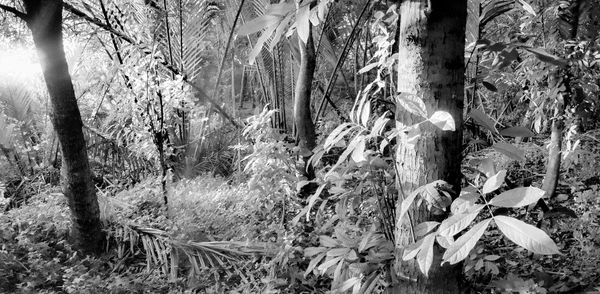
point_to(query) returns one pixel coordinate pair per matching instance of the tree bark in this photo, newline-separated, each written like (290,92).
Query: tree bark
(554,150)
(302,116)
(558,123)
(44,18)
(431,66)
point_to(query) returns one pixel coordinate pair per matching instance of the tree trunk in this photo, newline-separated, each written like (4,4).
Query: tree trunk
(44,18)
(558,123)
(431,66)
(302,116)
(554,150)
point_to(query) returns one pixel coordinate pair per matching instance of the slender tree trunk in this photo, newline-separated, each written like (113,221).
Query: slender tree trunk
(554,150)
(431,66)
(302,116)
(45,21)
(558,123)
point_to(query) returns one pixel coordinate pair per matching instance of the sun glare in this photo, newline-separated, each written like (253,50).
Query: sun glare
(19,63)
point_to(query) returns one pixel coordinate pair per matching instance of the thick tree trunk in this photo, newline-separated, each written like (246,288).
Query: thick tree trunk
(431,66)
(45,21)
(302,116)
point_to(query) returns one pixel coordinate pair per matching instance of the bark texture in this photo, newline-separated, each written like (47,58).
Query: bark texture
(431,66)
(554,150)
(305,128)
(44,18)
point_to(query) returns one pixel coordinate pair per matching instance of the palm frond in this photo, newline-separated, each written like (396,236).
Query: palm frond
(6,133)
(163,252)
(493,8)
(18,102)
(195,28)
(340,61)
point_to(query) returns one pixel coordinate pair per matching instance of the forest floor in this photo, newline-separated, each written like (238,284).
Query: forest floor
(36,257)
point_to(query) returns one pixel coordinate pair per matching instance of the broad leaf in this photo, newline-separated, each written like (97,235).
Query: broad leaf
(358,154)
(335,252)
(261,42)
(425,255)
(544,56)
(458,222)
(464,202)
(379,125)
(425,227)
(412,250)
(412,103)
(371,240)
(303,22)
(280,9)
(494,182)
(368,67)
(365,113)
(487,166)
(444,241)
(329,263)
(377,163)
(328,241)
(353,144)
(517,132)
(527,7)
(483,119)
(347,284)
(489,86)
(518,197)
(313,198)
(281,28)
(406,203)
(311,251)
(510,150)
(258,24)
(526,235)
(313,263)
(337,134)
(461,247)
(443,120)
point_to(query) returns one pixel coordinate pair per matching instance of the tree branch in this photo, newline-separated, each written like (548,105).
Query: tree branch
(97,22)
(14,11)
(203,95)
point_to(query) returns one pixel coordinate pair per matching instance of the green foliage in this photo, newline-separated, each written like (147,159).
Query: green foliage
(465,210)
(340,237)
(269,165)
(36,255)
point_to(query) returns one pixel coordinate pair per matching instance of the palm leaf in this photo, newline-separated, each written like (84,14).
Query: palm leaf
(340,61)
(492,9)
(6,133)
(18,102)
(141,25)
(161,251)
